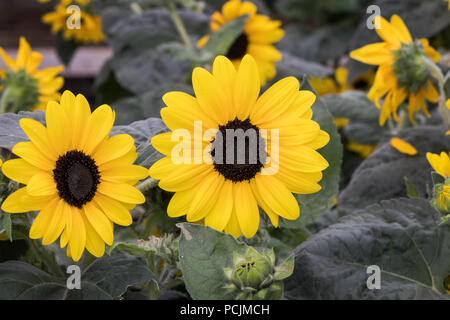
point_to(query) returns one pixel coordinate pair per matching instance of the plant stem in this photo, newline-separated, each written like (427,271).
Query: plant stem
(43,256)
(437,74)
(4,101)
(147,184)
(171,8)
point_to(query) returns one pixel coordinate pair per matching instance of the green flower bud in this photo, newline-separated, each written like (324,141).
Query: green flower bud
(255,276)
(19,91)
(441,197)
(410,67)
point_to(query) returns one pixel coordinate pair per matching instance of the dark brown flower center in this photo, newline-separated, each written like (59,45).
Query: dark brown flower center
(238,150)
(77,177)
(239,48)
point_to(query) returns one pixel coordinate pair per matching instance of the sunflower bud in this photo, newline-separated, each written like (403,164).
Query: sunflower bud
(19,91)
(254,275)
(441,199)
(410,67)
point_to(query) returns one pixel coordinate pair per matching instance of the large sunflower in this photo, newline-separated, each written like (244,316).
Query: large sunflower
(79,179)
(257,39)
(401,73)
(224,193)
(90,30)
(28,86)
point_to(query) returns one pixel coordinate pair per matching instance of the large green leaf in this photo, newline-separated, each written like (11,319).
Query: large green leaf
(149,29)
(204,253)
(381,175)
(362,113)
(105,278)
(402,237)
(312,205)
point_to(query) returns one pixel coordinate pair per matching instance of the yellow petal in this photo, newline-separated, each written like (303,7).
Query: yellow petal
(94,243)
(19,170)
(275,197)
(21,201)
(403,146)
(205,196)
(246,209)
(57,223)
(114,210)
(28,152)
(39,137)
(100,125)
(247,86)
(101,224)
(374,54)
(77,239)
(122,192)
(43,219)
(41,185)
(113,148)
(276,100)
(220,214)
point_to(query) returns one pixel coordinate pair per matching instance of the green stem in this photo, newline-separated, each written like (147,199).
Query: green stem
(147,184)
(171,8)
(437,74)
(43,255)
(4,101)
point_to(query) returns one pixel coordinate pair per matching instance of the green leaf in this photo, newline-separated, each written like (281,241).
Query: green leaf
(402,237)
(65,48)
(6,224)
(204,253)
(381,175)
(362,113)
(125,30)
(142,131)
(411,189)
(140,71)
(292,65)
(105,278)
(220,41)
(312,205)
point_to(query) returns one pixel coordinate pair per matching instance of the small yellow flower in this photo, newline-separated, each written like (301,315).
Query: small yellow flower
(90,30)
(27,85)
(80,180)
(402,73)
(403,146)
(220,191)
(257,39)
(440,163)
(363,150)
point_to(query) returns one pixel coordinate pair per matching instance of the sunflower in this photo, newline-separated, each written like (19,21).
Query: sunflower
(401,73)
(216,188)
(90,30)
(24,84)
(80,180)
(257,38)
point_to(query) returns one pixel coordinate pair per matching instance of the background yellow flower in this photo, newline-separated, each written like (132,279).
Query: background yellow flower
(33,88)
(257,39)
